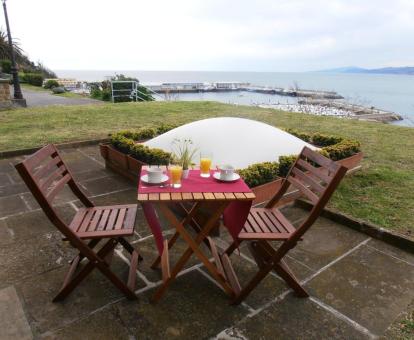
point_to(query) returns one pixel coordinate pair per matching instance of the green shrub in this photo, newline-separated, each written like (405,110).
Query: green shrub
(50,84)
(96,93)
(5,65)
(260,173)
(35,79)
(163,128)
(342,150)
(124,142)
(325,140)
(285,163)
(301,135)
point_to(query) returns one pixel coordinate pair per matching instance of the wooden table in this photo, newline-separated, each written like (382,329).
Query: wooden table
(221,269)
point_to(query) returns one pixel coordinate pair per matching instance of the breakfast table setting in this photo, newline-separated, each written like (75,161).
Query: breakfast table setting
(222,192)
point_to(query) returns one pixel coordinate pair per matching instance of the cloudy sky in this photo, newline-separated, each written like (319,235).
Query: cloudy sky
(228,35)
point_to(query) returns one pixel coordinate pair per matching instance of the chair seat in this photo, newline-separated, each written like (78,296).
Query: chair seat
(101,222)
(266,224)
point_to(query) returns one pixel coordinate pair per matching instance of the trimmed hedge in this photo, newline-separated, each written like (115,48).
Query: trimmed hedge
(126,141)
(260,173)
(333,147)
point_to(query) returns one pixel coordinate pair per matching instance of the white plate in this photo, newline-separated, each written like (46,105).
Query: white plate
(235,178)
(164,178)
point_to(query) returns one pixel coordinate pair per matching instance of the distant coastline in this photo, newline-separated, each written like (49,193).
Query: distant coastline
(406,70)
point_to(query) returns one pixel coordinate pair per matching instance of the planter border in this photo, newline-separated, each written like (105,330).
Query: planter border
(61,146)
(370,229)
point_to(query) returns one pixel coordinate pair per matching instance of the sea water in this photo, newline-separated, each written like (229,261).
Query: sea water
(388,92)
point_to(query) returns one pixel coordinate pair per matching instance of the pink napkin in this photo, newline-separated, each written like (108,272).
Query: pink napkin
(234,215)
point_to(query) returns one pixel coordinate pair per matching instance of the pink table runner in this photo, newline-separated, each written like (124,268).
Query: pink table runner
(234,215)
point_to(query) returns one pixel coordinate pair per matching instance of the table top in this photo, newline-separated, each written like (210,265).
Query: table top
(196,196)
(195,188)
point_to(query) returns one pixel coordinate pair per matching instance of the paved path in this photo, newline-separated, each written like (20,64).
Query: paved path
(358,285)
(40,98)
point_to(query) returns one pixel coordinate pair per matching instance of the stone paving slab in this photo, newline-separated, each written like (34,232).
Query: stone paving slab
(358,285)
(293,318)
(368,287)
(13,322)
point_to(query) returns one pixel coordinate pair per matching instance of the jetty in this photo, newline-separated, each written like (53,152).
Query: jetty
(240,86)
(358,111)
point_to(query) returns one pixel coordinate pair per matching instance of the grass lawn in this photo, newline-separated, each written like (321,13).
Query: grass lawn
(382,192)
(33,88)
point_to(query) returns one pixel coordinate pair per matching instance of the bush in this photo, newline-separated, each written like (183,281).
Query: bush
(58,90)
(260,173)
(325,140)
(342,150)
(35,79)
(125,142)
(254,175)
(5,65)
(285,163)
(301,135)
(163,128)
(50,84)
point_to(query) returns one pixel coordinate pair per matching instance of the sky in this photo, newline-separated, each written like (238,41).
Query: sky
(214,35)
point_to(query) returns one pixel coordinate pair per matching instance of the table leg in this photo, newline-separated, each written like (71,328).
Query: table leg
(193,248)
(186,220)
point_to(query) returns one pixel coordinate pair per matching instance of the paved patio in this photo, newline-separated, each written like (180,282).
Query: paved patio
(358,285)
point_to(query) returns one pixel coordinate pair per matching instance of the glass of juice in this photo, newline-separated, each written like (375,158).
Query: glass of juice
(205,164)
(176,171)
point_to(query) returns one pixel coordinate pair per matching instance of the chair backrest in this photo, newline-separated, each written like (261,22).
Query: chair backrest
(46,175)
(316,178)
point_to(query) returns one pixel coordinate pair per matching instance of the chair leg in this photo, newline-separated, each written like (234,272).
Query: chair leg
(284,272)
(128,247)
(260,275)
(231,248)
(171,242)
(70,284)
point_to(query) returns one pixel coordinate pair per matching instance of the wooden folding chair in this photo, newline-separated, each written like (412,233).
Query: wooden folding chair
(316,178)
(46,175)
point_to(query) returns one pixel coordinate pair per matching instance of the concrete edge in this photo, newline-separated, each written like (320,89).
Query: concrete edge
(370,229)
(62,146)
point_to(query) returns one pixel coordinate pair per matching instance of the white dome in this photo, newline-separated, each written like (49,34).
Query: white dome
(236,141)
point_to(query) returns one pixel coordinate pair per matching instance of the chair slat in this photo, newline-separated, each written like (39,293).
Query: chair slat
(308,180)
(130,216)
(308,193)
(120,219)
(111,220)
(276,225)
(54,162)
(58,187)
(284,221)
(95,219)
(74,225)
(260,222)
(104,219)
(39,156)
(318,172)
(85,223)
(58,173)
(229,195)
(253,223)
(321,160)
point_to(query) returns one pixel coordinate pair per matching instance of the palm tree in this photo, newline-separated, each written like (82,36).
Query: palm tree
(5,49)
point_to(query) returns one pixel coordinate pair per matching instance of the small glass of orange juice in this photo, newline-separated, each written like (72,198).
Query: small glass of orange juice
(205,164)
(176,172)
